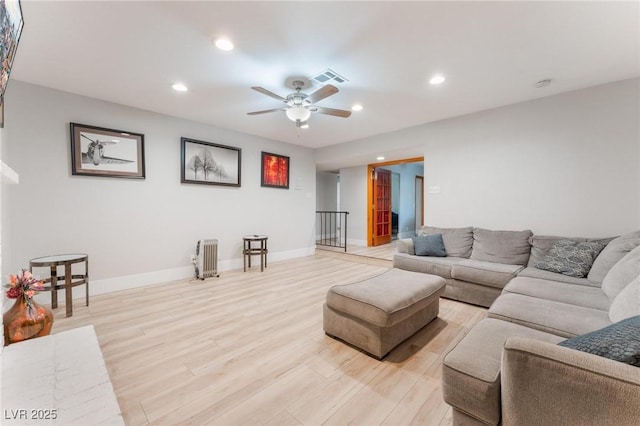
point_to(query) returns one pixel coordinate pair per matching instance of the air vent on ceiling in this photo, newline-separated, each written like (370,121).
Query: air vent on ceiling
(327,75)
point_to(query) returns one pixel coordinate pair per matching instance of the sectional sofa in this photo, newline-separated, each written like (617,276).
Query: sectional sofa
(480,262)
(554,349)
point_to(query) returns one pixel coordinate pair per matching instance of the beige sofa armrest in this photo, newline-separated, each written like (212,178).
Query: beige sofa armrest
(405,245)
(546,384)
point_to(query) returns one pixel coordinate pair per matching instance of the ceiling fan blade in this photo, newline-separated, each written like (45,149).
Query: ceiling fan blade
(323,92)
(331,111)
(269,93)
(265,111)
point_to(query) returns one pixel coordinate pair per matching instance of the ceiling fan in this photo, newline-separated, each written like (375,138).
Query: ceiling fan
(300,105)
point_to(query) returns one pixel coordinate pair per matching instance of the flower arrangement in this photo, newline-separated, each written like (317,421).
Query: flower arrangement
(23,285)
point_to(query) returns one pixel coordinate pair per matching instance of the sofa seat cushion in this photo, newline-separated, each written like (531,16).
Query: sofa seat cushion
(388,298)
(552,276)
(579,295)
(549,316)
(486,273)
(440,266)
(471,371)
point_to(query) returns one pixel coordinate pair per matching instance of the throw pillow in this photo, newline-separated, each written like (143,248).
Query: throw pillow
(429,245)
(572,258)
(619,341)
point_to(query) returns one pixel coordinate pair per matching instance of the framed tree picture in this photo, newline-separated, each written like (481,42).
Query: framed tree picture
(209,163)
(275,170)
(97,151)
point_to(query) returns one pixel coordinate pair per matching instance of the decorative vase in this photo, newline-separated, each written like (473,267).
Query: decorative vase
(25,321)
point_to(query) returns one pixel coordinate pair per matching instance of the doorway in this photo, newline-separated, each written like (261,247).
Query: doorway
(380,217)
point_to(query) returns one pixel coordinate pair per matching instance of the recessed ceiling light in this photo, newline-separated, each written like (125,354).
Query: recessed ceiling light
(357,107)
(304,125)
(380,158)
(437,79)
(179,87)
(224,44)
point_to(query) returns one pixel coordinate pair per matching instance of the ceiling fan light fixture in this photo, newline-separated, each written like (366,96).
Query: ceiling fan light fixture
(298,113)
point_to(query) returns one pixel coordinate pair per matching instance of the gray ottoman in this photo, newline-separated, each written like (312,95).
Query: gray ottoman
(377,314)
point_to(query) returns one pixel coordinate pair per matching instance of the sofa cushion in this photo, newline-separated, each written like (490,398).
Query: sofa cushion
(510,247)
(571,258)
(440,266)
(457,241)
(429,245)
(611,254)
(619,341)
(552,276)
(388,298)
(550,316)
(471,371)
(622,273)
(541,244)
(487,273)
(627,302)
(579,295)
(405,245)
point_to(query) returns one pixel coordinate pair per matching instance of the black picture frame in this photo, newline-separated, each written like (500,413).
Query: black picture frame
(209,163)
(274,170)
(98,151)
(11,26)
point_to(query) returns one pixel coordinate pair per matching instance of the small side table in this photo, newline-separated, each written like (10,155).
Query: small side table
(65,260)
(249,250)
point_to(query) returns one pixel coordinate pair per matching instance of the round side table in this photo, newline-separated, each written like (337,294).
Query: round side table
(65,260)
(260,249)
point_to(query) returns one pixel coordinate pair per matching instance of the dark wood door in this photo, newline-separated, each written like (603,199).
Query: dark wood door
(381,207)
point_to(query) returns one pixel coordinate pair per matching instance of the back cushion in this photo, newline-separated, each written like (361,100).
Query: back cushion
(621,274)
(541,245)
(627,302)
(457,241)
(612,253)
(510,247)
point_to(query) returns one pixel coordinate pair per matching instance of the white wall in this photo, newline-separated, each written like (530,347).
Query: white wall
(139,232)
(353,199)
(326,191)
(567,164)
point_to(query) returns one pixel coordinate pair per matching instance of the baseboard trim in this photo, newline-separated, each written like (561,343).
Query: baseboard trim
(127,282)
(362,243)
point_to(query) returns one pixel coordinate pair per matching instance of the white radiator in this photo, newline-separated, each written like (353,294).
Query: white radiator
(207,259)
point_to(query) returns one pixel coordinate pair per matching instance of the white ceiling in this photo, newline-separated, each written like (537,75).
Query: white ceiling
(492,54)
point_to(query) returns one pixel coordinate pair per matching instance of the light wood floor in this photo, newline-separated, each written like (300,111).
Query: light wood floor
(385,251)
(248,348)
